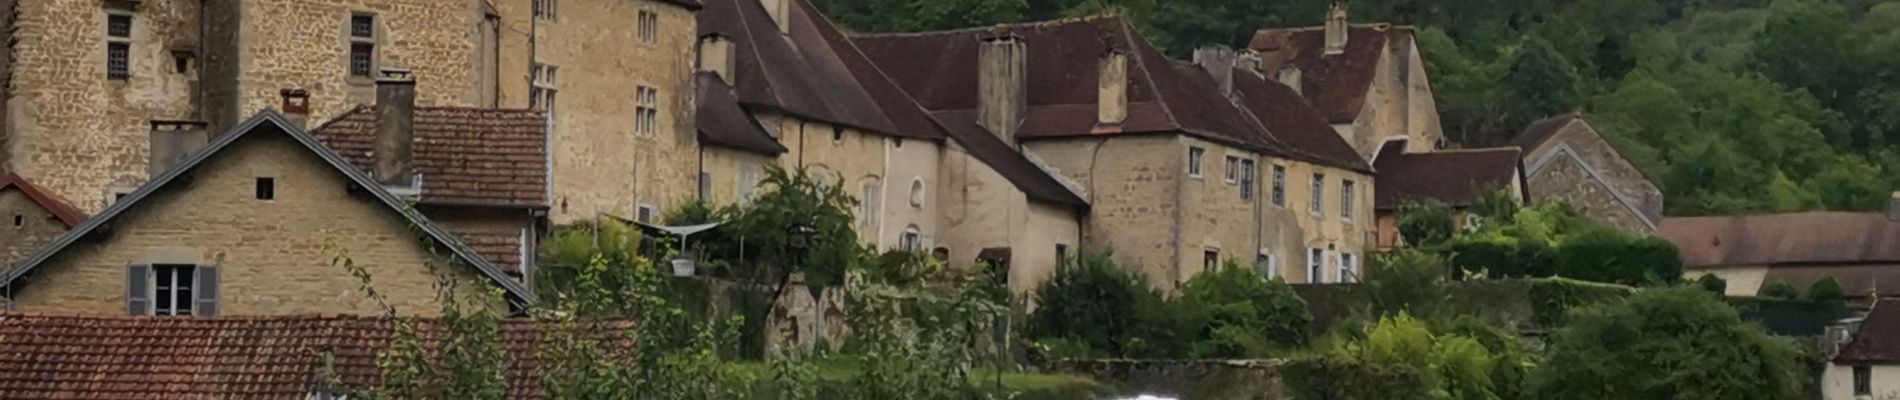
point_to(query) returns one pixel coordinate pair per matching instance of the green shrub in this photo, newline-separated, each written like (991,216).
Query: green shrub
(1499,257)
(1781,290)
(1092,301)
(1233,312)
(1826,290)
(1425,223)
(1400,357)
(1552,298)
(1712,284)
(1605,255)
(1406,280)
(1342,378)
(1673,343)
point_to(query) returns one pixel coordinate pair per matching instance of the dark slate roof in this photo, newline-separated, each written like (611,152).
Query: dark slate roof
(1338,83)
(466,156)
(1777,239)
(240,358)
(52,203)
(1542,130)
(271,123)
(1164,96)
(687,4)
(1007,161)
(723,122)
(1878,339)
(814,72)
(1455,177)
(1295,123)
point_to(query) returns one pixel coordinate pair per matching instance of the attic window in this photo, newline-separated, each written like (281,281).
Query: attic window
(19,220)
(266,188)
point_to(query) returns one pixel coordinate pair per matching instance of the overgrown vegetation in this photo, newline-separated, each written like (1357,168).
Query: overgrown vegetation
(1663,343)
(1549,239)
(1096,308)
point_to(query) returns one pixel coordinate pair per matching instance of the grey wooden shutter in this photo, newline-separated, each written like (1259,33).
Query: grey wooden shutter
(138,289)
(206,291)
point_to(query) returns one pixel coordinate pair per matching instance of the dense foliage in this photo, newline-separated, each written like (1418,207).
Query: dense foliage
(1730,105)
(1622,350)
(1095,308)
(1411,360)
(1553,239)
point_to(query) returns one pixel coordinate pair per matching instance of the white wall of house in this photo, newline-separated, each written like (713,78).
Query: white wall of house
(1837,382)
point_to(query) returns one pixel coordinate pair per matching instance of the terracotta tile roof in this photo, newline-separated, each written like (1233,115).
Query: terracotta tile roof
(52,203)
(986,147)
(723,122)
(1878,339)
(274,357)
(1456,177)
(1781,239)
(466,156)
(1164,96)
(1337,83)
(814,72)
(1295,123)
(501,248)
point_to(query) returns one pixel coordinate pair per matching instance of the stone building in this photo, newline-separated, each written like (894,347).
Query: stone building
(1565,159)
(38,217)
(1456,178)
(1170,156)
(781,85)
(1367,79)
(286,205)
(1859,250)
(86,83)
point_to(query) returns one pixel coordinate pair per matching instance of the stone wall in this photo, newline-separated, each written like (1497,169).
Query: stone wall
(1186,379)
(1134,184)
(1583,144)
(1215,218)
(1329,231)
(305,44)
(602,163)
(722,168)
(1565,179)
(32,227)
(1398,101)
(270,253)
(68,127)
(982,209)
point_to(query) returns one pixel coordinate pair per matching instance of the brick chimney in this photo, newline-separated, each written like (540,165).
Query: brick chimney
(296,106)
(781,12)
(1002,85)
(1220,62)
(1111,101)
(1336,29)
(173,141)
(1893,207)
(393,153)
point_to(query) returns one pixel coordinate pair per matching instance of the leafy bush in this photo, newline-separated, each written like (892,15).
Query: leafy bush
(1552,299)
(1609,256)
(1406,280)
(1093,301)
(1712,284)
(1781,290)
(1402,358)
(1233,312)
(1826,290)
(1425,223)
(1674,343)
(1554,239)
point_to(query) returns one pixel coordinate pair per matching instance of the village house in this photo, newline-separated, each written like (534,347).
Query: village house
(614,77)
(250,225)
(38,217)
(1173,165)
(1858,249)
(782,86)
(1454,178)
(1567,160)
(1866,365)
(1367,79)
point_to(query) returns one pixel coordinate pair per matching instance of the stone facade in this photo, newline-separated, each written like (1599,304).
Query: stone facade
(33,226)
(980,209)
(1398,102)
(594,56)
(271,253)
(1577,166)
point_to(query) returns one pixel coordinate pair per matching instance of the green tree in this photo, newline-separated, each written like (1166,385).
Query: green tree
(1780,289)
(1093,301)
(1425,223)
(1712,284)
(1825,290)
(1678,343)
(1407,281)
(1541,82)
(798,225)
(1233,312)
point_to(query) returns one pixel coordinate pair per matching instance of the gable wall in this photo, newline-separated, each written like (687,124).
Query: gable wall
(1596,152)
(271,253)
(36,227)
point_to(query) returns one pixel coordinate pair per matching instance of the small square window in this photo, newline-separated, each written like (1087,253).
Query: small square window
(119,25)
(1210,259)
(363,26)
(19,220)
(644,214)
(266,188)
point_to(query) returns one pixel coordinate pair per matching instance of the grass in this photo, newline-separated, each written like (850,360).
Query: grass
(1032,386)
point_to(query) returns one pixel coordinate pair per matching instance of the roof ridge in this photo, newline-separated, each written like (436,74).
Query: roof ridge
(1091,18)
(1476,150)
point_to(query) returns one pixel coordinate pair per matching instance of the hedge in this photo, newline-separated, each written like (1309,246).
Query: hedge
(1551,298)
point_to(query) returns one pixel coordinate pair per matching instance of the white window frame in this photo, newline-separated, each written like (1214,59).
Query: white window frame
(1194,157)
(546,87)
(648,27)
(869,206)
(1279,185)
(1232,173)
(911,240)
(1346,200)
(1348,268)
(1315,265)
(1268,264)
(546,10)
(1319,195)
(161,286)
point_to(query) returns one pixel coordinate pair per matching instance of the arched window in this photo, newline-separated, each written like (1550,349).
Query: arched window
(917,192)
(913,239)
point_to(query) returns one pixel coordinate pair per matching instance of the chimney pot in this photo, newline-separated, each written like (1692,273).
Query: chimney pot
(296,106)
(393,155)
(1002,97)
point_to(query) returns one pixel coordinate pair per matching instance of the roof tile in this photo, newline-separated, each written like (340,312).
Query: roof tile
(466,156)
(1781,239)
(1336,83)
(1455,177)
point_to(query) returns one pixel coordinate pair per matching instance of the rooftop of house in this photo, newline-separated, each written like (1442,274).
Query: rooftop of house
(1336,83)
(814,72)
(1295,122)
(1807,238)
(1878,339)
(52,203)
(1455,177)
(465,156)
(1542,130)
(251,357)
(723,122)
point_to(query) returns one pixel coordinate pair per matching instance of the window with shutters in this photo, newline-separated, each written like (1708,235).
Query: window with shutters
(362,45)
(1194,156)
(118,44)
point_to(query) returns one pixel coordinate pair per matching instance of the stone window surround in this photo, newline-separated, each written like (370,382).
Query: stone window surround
(1210,258)
(116,10)
(647,28)
(646,110)
(1347,194)
(165,284)
(1195,157)
(1319,195)
(1279,185)
(266,188)
(374,41)
(1315,265)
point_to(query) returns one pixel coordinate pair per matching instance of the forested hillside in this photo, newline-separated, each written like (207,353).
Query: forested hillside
(1733,106)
